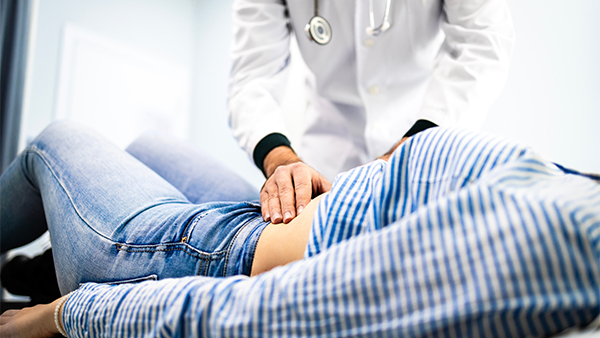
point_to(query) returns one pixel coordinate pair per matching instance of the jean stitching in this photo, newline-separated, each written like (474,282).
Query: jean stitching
(203,267)
(38,152)
(153,277)
(170,247)
(231,246)
(192,224)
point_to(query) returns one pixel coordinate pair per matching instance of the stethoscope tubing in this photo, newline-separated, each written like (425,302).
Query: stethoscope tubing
(385,23)
(319,30)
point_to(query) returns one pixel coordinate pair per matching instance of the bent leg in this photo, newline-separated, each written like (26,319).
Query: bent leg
(22,218)
(197,175)
(91,194)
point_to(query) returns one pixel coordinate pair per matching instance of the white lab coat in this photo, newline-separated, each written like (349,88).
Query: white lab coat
(444,61)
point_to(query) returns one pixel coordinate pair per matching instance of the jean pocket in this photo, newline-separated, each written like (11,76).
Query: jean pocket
(172,259)
(129,280)
(168,247)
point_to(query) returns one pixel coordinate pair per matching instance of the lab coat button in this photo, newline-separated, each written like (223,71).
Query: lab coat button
(373,90)
(369,43)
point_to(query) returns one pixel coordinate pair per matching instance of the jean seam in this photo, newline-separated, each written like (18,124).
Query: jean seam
(230,247)
(191,222)
(205,265)
(177,246)
(34,150)
(138,211)
(192,225)
(37,151)
(151,277)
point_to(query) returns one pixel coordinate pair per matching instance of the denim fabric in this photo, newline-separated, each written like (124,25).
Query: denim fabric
(199,176)
(110,215)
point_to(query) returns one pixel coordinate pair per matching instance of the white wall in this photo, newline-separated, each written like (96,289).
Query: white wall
(209,102)
(552,98)
(159,27)
(194,34)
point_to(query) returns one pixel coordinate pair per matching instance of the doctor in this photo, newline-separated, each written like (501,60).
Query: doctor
(381,70)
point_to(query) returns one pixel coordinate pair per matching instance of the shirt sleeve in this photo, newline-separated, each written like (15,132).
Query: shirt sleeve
(472,64)
(260,56)
(457,235)
(267,144)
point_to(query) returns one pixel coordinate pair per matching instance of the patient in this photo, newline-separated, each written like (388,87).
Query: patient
(459,234)
(118,219)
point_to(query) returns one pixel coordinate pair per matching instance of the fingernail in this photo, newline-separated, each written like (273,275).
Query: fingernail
(300,208)
(288,215)
(276,216)
(267,217)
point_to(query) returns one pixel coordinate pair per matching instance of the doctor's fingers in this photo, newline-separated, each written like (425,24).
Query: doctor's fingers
(264,205)
(320,185)
(282,196)
(269,201)
(306,184)
(270,204)
(305,180)
(289,190)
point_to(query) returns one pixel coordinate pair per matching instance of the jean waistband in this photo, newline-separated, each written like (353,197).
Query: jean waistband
(243,247)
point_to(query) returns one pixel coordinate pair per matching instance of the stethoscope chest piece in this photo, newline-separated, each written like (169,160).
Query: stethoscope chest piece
(318,30)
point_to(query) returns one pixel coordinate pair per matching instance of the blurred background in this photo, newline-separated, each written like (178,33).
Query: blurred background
(125,66)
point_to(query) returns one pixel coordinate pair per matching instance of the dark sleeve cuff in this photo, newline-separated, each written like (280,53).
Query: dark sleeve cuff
(419,126)
(265,146)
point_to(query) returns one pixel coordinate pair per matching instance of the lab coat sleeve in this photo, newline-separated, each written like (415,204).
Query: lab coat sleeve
(472,64)
(260,56)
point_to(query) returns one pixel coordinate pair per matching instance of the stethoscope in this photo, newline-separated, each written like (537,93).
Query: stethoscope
(319,30)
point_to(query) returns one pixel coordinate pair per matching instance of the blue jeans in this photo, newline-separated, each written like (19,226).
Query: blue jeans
(198,176)
(111,217)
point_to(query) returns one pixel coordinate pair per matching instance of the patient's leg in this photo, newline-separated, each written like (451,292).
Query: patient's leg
(90,195)
(199,176)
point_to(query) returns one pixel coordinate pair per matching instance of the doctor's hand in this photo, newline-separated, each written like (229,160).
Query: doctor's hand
(290,185)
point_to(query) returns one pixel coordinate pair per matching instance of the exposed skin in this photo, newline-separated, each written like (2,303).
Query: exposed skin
(280,244)
(37,321)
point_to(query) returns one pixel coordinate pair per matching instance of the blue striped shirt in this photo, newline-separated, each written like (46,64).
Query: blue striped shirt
(459,235)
